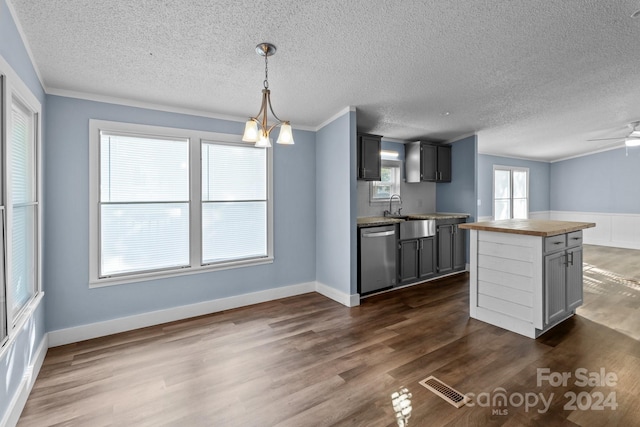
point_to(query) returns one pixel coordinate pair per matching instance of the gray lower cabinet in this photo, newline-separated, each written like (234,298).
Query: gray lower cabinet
(562,276)
(417,259)
(451,246)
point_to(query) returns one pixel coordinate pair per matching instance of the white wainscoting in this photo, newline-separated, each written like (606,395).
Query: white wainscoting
(532,215)
(20,397)
(612,229)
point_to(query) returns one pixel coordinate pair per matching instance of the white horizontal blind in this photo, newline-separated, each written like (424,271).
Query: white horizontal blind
(520,196)
(502,194)
(24,204)
(234,196)
(144,203)
(510,192)
(3,285)
(3,293)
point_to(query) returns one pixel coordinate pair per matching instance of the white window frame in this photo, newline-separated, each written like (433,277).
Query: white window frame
(510,169)
(196,139)
(12,87)
(397,164)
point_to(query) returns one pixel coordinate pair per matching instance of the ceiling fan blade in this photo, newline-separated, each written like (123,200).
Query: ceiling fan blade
(606,139)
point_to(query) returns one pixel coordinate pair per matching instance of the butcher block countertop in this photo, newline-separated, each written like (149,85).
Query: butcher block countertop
(531,227)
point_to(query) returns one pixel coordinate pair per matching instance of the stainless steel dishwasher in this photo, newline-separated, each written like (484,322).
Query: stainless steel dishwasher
(377,258)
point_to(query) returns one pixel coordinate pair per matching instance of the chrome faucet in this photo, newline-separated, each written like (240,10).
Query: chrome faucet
(391,212)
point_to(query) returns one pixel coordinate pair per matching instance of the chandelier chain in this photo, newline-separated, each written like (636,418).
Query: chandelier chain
(266,72)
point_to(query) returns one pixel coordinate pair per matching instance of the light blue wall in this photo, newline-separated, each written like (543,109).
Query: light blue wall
(70,302)
(539,182)
(604,182)
(19,357)
(459,195)
(336,204)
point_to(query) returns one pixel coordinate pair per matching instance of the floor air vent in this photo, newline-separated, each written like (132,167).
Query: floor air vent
(449,394)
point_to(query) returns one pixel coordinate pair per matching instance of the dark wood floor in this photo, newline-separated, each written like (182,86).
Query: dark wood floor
(308,361)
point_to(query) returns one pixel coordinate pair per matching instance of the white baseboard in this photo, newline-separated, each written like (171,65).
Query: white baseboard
(16,406)
(114,326)
(336,295)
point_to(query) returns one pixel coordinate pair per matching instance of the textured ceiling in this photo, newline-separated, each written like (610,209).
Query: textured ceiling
(534,79)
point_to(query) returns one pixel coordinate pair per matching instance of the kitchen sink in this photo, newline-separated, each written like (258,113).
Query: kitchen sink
(405,217)
(417,228)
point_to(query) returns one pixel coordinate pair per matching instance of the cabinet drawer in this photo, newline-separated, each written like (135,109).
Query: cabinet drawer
(574,239)
(555,243)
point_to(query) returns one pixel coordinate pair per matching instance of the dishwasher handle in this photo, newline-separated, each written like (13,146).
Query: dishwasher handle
(379,234)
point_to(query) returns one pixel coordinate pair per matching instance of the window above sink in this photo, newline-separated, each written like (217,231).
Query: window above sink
(381,191)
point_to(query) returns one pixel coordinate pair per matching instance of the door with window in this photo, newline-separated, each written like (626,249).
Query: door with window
(510,192)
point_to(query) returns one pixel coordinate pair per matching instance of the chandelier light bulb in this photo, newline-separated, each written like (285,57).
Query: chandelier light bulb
(264,141)
(286,135)
(632,142)
(250,131)
(257,129)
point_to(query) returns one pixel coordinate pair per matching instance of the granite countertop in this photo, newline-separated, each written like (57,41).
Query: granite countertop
(439,215)
(531,227)
(368,221)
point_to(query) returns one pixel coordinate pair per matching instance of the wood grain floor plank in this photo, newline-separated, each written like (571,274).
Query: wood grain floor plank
(308,361)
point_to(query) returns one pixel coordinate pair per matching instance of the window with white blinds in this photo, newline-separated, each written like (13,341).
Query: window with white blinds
(3,294)
(24,233)
(510,192)
(144,203)
(169,201)
(3,291)
(20,209)
(234,202)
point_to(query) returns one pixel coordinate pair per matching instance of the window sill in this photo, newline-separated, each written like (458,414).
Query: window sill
(23,317)
(144,277)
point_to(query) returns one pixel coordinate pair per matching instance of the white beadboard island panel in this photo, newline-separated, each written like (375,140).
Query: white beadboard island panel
(506,282)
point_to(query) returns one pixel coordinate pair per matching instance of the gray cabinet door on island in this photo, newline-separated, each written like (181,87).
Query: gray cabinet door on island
(555,287)
(562,276)
(574,279)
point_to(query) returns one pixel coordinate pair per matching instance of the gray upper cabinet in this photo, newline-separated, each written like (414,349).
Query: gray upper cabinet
(427,161)
(369,162)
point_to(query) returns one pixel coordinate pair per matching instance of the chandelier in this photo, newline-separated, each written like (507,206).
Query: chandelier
(256,129)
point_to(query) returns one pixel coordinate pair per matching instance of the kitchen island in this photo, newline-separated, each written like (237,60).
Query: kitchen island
(525,275)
